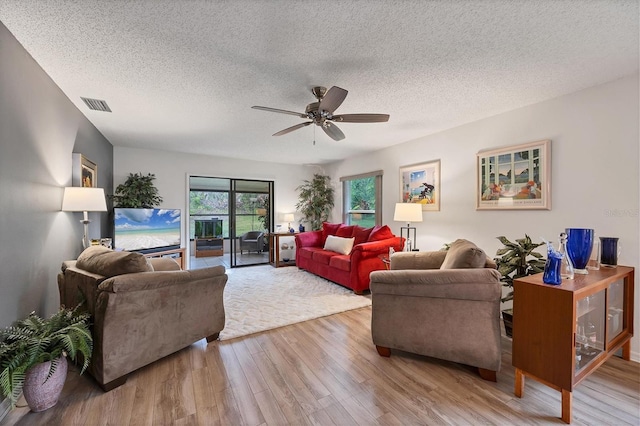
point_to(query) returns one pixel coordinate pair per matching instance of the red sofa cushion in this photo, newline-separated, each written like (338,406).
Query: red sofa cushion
(329,229)
(341,261)
(361,234)
(323,256)
(308,251)
(380,233)
(345,231)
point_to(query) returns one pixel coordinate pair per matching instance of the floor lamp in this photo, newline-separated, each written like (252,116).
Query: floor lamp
(408,212)
(85,200)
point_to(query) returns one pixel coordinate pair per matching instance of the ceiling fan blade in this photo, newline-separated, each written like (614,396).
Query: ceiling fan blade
(333,131)
(281,111)
(361,118)
(332,99)
(292,128)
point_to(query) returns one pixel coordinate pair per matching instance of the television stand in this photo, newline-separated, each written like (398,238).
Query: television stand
(209,246)
(177,254)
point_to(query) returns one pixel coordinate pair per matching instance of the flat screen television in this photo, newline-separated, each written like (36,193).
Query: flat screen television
(146,230)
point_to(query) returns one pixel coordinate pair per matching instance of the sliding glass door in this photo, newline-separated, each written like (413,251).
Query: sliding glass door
(252,215)
(229,221)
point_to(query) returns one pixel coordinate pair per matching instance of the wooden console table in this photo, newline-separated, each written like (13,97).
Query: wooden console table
(561,334)
(177,254)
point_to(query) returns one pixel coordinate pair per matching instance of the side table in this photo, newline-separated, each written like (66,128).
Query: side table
(385,259)
(274,249)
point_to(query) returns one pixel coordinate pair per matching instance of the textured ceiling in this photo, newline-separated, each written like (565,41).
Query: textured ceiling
(183,75)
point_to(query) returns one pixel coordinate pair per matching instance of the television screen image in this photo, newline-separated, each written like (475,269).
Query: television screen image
(146,229)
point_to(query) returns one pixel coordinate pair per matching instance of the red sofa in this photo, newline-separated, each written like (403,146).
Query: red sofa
(350,270)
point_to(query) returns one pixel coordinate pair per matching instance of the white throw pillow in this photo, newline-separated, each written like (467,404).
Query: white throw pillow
(339,244)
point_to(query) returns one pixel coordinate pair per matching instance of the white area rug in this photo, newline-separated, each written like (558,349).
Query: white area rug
(261,298)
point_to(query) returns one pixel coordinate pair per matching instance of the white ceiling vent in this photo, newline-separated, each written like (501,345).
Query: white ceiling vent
(96,104)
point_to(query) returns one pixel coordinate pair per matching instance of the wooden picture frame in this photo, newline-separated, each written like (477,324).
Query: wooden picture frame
(85,172)
(516,177)
(420,183)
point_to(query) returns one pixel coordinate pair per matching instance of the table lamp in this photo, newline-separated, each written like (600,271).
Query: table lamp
(408,212)
(85,200)
(288,217)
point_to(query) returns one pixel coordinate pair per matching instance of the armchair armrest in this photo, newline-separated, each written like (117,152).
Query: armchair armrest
(418,260)
(309,239)
(481,284)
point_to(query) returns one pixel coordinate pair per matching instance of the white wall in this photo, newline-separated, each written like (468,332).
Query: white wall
(594,173)
(172,168)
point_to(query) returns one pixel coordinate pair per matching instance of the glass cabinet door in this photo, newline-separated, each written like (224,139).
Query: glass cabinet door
(590,329)
(615,310)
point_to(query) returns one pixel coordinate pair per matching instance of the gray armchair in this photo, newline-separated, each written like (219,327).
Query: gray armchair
(142,310)
(252,241)
(451,313)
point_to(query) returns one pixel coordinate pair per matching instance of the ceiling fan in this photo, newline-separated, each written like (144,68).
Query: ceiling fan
(321,113)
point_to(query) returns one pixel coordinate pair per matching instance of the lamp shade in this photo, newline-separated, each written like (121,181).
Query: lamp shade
(288,217)
(79,199)
(408,212)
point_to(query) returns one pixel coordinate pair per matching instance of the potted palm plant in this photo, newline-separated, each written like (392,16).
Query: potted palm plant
(516,260)
(315,200)
(33,355)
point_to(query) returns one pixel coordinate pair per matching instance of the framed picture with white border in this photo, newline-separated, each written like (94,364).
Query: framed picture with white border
(516,177)
(420,183)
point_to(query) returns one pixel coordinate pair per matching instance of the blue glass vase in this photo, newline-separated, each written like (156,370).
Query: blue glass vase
(579,245)
(552,270)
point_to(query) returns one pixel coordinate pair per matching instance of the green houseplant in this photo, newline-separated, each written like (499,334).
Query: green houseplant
(137,191)
(315,200)
(516,260)
(34,342)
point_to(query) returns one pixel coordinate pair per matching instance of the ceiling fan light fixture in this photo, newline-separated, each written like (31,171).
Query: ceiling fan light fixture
(321,113)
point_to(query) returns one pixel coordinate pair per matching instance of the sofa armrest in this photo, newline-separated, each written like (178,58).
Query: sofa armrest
(309,239)
(156,280)
(480,284)
(379,247)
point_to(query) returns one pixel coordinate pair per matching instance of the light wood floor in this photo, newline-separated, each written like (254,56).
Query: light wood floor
(326,372)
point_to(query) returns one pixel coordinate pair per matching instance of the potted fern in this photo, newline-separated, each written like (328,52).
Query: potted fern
(33,355)
(516,260)
(315,200)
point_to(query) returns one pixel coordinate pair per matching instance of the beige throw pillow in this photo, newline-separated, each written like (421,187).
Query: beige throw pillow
(339,244)
(464,254)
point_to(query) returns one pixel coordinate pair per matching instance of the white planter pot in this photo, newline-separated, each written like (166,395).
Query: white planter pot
(41,393)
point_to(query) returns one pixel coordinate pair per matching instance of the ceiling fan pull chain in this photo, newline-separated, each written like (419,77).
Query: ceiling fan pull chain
(314,135)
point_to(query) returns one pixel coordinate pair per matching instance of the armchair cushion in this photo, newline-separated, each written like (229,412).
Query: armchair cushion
(464,254)
(106,262)
(339,244)
(417,260)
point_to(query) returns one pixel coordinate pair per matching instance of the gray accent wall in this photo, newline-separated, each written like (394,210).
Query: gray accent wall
(40,128)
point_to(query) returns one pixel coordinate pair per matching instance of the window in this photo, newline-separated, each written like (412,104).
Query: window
(362,199)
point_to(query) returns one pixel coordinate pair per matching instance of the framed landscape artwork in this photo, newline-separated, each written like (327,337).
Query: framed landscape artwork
(516,177)
(85,172)
(420,183)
